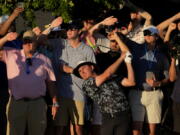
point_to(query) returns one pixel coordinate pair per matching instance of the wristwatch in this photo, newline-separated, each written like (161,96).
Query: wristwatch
(55,104)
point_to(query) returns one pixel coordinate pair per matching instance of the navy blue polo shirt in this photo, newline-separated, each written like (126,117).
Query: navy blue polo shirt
(144,60)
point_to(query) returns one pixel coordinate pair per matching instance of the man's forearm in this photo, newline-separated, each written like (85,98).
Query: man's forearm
(6,25)
(2,41)
(66,69)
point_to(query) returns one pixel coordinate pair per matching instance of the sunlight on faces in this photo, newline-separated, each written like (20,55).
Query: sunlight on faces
(135,16)
(72,33)
(114,46)
(86,71)
(29,48)
(88,24)
(150,38)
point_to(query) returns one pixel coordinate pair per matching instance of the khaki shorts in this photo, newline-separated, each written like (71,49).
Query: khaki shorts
(69,110)
(146,105)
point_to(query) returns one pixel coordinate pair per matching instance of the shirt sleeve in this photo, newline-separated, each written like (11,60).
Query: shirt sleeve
(6,52)
(50,72)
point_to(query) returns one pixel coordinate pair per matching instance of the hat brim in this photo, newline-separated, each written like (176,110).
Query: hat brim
(76,72)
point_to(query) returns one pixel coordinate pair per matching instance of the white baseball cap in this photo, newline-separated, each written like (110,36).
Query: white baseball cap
(152,30)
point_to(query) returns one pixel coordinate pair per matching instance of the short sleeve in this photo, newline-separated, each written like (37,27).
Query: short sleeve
(50,71)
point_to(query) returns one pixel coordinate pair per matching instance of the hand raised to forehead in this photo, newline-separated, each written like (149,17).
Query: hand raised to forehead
(17,11)
(11,36)
(113,36)
(37,31)
(172,26)
(109,21)
(56,22)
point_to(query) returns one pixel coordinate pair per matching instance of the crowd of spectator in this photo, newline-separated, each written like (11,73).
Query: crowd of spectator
(89,78)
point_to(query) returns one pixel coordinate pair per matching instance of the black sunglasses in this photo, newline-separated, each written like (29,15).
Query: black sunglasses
(29,61)
(147,33)
(27,40)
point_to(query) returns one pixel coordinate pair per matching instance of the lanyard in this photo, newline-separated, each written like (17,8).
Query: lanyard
(150,63)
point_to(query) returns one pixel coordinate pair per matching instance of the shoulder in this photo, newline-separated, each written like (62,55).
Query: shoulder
(42,57)
(90,81)
(89,85)
(11,51)
(86,47)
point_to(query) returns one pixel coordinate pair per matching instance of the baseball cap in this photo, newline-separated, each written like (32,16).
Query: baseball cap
(150,30)
(76,24)
(29,36)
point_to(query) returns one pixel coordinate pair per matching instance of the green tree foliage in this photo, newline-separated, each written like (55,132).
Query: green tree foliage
(68,9)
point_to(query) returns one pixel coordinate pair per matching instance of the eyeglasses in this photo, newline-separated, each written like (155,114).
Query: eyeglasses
(112,40)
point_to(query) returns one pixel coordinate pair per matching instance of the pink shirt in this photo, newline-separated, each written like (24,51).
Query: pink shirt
(21,84)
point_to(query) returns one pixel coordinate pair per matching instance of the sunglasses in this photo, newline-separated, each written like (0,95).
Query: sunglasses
(112,40)
(27,41)
(29,61)
(148,33)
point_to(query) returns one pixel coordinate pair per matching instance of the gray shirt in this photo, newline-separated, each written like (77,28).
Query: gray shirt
(70,86)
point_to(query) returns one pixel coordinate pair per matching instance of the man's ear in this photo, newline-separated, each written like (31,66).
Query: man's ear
(92,67)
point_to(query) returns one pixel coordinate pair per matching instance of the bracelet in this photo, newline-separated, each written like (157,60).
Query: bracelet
(55,104)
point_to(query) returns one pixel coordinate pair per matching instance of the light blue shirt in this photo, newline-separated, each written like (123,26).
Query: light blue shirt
(70,86)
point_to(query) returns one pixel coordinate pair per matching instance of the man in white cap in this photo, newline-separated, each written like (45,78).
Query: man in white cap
(151,72)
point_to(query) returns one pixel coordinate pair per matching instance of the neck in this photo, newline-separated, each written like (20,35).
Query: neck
(74,42)
(28,54)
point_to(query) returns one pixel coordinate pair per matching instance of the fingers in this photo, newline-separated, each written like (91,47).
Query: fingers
(37,31)
(54,111)
(11,36)
(58,21)
(110,21)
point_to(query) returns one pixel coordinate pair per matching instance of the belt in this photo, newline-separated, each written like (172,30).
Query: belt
(151,89)
(27,99)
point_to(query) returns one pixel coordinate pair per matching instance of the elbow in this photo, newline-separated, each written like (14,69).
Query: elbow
(149,17)
(172,79)
(133,83)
